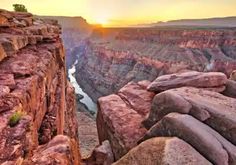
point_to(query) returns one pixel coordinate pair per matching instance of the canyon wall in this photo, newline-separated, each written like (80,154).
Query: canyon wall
(111,58)
(37,105)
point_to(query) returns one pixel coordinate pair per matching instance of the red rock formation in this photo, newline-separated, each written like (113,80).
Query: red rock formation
(111,58)
(211,80)
(202,118)
(162,151)
(34,93)
(119,117)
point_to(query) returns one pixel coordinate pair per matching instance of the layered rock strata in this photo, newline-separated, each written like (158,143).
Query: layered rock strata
(182,121)
(111,58)
(36,101)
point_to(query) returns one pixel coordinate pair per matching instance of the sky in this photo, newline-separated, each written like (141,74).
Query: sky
(128,12)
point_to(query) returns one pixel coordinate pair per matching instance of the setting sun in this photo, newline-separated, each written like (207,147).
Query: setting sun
(103,21)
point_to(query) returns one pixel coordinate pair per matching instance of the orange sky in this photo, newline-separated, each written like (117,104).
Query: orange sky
(128,12)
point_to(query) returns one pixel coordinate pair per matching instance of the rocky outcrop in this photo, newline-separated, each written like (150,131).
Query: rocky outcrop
(162,151)
(60,150)
(211,81)
(207,141)
(111,58)
(120,115)
(230,89)
(101,155)
(183,107)
(36,102)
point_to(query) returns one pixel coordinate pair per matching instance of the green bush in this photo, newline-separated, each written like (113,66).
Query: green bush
(15,118)
(19,7)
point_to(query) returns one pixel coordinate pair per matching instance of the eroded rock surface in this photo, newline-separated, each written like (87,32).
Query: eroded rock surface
(209,81)
(36,102)
(203,119)
(163,151)
(111,58)
(120,115)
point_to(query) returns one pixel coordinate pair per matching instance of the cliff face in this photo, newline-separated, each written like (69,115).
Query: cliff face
(36,101)
(111,58)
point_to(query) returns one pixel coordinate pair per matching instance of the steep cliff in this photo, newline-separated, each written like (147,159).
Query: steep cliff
(111,58)
(37,105)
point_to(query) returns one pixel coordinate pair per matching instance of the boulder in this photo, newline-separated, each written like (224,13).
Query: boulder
(102,155)
(230,90)
(192,79)
(214,109)
(163,151)
(233,76)
(137,97)
(61,150)
(203,138)
(120,115)
(118,123)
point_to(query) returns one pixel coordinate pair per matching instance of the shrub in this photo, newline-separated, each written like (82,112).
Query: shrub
(15,118)
(19,7)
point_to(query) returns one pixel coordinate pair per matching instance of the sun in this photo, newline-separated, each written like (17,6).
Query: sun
(102,21)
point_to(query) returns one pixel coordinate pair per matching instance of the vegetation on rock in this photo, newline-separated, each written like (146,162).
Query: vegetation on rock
(19,8)
(15,118)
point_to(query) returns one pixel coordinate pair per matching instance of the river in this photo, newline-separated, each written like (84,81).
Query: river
(78,90)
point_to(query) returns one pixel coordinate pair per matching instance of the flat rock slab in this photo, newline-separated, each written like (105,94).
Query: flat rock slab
(214,109)
(191,79)
(163,151)
(203,138)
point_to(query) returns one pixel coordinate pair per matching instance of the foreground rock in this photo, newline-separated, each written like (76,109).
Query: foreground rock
(102,155)
(36,101)
(119,117)
(217,110)
(203,138)
(212,81)
(230,90)
(56,152)
(163,151)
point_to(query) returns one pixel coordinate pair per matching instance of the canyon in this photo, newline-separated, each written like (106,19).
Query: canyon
(112,57)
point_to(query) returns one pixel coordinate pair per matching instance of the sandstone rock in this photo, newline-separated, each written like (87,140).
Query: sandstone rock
(119,124)
(108,62)
(7,80)
(102,155)
(192,79)
(163,151)
(137,97)
(61,150)
(233,75)
(3,21)
(4,90)
(230,90)
(204,139)
(33,83)
(212,108)
(2,53)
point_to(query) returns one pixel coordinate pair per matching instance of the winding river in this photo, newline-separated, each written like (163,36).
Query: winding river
(78,90)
